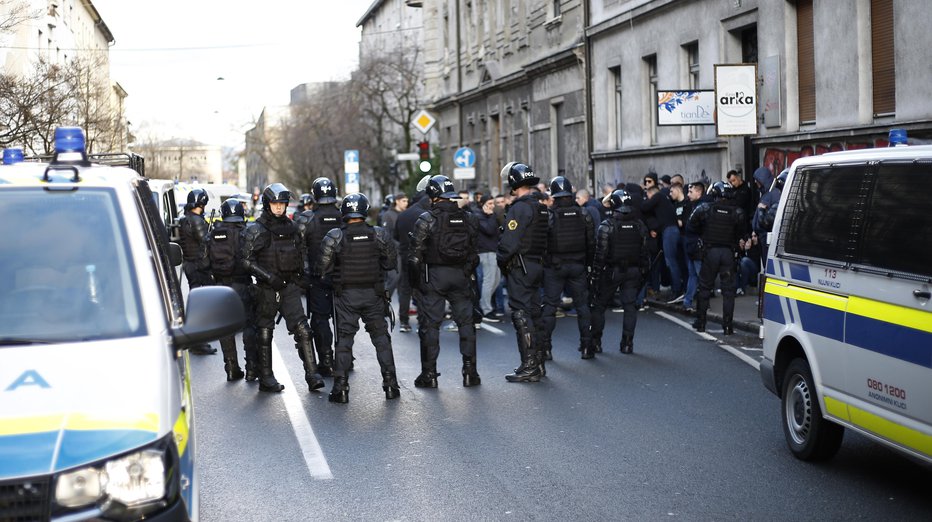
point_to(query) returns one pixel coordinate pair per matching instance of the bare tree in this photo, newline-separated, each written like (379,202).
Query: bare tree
(15,12)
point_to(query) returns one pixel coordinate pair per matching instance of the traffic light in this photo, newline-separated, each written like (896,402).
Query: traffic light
(393,169)
(423,151)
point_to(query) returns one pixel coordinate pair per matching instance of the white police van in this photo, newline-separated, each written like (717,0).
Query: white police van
(96,416)
(846,311)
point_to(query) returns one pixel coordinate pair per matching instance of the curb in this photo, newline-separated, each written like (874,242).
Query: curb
(752,327)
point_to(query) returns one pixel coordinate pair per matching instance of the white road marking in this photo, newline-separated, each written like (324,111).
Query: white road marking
(492,329)
(754,363)
(310,448)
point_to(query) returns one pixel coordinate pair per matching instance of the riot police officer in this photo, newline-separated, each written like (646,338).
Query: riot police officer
(442,262)
(720,225)
(305,204)
(520,254)
(193,229)
(570,247)
(358,255)
(622,260)
(314,226)
(224,245)
(273,251)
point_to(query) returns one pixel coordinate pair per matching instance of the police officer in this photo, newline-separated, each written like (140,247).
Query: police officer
(314,226)
(227,268)
(443,260)
(520,254)
(273,251)
(357,255)
(571,244)
(622,260)
(193,229)
(720,225)
(305,204)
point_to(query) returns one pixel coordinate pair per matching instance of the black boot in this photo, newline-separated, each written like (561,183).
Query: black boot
(303,344)
(529,371)
(267,381)
(252,370)
(389,385)
(470,375)
(230,362)
(597,345)
(586,348)
(340,391)
(324,356)
(546,352)
(627,343)
(728,327)
(427,378)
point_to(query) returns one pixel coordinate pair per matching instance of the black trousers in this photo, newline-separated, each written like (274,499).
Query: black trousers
(320,308)
(524,291)
(404,290)
(351,305)
(245,291)
(288,302)
(629,281)
(196,277)
(571,276)
(718,261)
(445,283)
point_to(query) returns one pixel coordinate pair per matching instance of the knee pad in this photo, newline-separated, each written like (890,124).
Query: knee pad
(519,319)
(303,332)
(263,336)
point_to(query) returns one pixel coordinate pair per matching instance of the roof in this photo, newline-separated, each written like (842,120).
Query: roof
(369,12)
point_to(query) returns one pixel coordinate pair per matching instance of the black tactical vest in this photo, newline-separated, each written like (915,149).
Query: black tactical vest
(326,218)
(627,243)
(281,256)
(719,229)
(191,245)
(534,241)
(357,264)
(223,246)
(568,235)
(449,243)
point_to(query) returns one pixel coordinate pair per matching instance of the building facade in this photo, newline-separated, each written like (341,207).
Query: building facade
(186,161)
(831,76)
(261,141)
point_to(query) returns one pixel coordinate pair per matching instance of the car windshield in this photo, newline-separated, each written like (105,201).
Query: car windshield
(65,269)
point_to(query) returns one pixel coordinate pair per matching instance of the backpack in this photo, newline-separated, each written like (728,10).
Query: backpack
(453,237)
(224,242)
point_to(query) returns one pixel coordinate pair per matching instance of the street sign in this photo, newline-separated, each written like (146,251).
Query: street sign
(352,183)
(464,158)
(423,121)
(464,173)
(351,161)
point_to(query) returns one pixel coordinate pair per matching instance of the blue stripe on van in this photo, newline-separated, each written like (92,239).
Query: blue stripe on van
(770,268)
(893,340)
(772,309)
(799,272)
(820,320)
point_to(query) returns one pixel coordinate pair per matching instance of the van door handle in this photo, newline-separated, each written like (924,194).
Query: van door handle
(922,294)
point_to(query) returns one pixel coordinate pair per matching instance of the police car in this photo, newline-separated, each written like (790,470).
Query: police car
(96,416)
(846,311)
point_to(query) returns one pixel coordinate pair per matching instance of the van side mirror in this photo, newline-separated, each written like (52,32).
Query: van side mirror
(175,254)
(211,312)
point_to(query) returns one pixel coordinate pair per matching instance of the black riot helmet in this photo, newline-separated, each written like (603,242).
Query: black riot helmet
(198,198)
(519,175)
(780,180)
(325,192)
(440,187)
(275,193)
(721,189)
(389,201)
(560,186)
(355,206)
(233,211)
(620,200)
(305,199)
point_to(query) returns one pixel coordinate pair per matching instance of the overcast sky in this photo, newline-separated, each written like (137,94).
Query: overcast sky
(168,55)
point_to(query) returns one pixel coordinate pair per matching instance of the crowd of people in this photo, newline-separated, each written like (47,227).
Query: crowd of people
(458,254)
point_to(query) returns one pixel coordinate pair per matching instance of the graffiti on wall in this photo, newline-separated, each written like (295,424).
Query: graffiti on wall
(780,158)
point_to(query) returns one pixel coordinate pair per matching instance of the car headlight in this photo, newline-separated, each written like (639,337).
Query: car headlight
(125,486)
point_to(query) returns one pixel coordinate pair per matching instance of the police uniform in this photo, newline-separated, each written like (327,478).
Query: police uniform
(720,225)
(571,244)
(404,225)
(520,255)
(224,246)
(193,229)
(357,255)
(444,257)
(315,226)
(273,251)
(622,260)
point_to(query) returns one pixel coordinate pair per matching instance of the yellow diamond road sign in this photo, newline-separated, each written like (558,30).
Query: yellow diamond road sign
(423,121)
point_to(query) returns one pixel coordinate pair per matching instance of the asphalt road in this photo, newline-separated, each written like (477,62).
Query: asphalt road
(680,429)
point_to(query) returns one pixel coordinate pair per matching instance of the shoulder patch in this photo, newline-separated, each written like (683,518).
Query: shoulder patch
(512,225)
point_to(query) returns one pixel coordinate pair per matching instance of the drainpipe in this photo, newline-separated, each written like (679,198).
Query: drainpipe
(459,78)
(588,75)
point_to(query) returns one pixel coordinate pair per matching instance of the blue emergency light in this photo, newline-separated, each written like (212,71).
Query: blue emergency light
(69,139)
(12,155)
(897,137)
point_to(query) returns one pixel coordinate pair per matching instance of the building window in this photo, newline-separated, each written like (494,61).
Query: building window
(557,137)
(883,69)
(692,72)
(556,8)
(614,103)
(805,57)
(651,62)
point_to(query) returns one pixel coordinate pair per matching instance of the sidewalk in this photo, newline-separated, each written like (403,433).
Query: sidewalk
(745,310)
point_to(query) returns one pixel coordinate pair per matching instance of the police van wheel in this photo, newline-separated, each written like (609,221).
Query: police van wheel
(809,436)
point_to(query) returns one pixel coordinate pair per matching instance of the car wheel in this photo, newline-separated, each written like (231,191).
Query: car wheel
(809,436)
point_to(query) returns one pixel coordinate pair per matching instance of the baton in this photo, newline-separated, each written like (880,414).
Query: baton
(523,266)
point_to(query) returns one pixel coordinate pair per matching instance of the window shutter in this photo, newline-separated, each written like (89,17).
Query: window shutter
(805,55)
(884,64)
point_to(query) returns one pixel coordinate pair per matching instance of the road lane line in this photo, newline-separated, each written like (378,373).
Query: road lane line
(734,351)
(492,329)
(310,448)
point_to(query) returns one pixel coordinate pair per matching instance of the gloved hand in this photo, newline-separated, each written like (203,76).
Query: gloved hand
(277,283)
(305,282)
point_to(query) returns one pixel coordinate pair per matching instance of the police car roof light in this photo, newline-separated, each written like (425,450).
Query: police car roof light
(69,143)
(897,137)
(12,155)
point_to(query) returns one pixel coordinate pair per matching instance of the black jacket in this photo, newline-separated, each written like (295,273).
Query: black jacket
(489,232)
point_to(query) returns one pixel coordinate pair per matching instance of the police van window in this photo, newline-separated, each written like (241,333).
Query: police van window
(820,220)
(66,274)
(898,223)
